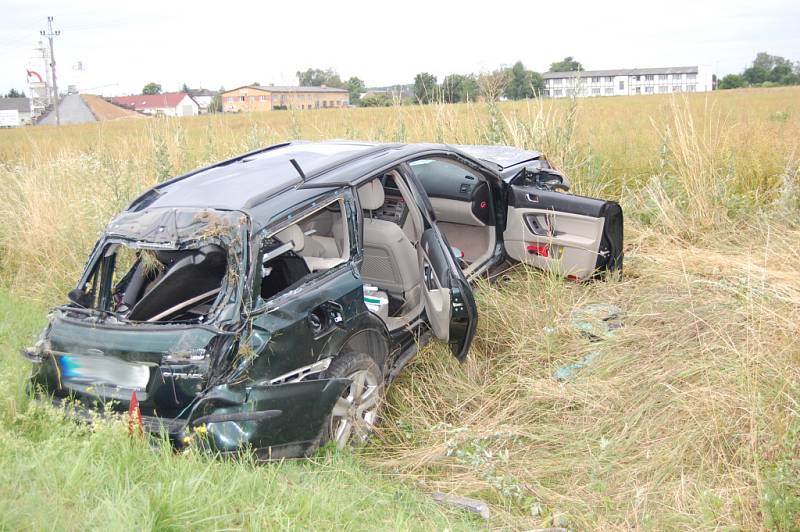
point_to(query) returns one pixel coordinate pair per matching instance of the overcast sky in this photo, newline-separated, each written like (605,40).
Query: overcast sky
(228,43)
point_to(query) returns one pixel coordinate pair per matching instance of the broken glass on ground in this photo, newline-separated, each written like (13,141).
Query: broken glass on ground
(596,322)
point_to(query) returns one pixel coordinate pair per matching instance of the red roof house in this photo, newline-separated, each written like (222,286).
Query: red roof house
(167,104)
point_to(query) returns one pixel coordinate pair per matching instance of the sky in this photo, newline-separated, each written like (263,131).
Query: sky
(124,45)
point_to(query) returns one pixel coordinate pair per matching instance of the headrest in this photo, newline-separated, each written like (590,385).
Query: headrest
(370,195)
(294,234)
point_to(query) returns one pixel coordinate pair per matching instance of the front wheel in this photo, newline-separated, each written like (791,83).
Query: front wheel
(355,413)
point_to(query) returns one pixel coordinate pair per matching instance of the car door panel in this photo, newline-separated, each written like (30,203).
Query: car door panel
(573,236)
(449,303)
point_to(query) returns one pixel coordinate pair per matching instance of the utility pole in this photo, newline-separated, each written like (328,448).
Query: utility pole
(50,34)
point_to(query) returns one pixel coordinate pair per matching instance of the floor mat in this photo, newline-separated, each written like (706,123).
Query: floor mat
(472,240)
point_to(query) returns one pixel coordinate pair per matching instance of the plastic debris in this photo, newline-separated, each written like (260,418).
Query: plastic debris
(597,321)
(465,503)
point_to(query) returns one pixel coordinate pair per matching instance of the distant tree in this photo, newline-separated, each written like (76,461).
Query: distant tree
(152,88)
(783,73)
(14,93)
(493,84)
(216,102)
(355,86)
(756,75)
(425,88)
(453,88)
(315,77)
(766,71)
(523,83)
(537,80)
(469,88)
(459,88)
(732,81)
(769,62)
(567,65)
(185,88)
(519,86)
(375,100)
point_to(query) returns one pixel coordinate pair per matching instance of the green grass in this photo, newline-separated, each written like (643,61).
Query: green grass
(59,475)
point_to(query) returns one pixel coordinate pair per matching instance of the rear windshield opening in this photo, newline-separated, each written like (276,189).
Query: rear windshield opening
(146,285)
(167,285)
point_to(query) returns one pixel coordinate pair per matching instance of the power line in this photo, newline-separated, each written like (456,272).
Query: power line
(49,33)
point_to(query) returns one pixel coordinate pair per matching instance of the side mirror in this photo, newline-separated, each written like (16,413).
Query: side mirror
(80,298)
(546,178)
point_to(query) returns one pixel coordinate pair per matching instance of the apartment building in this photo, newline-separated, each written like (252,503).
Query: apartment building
(627,82)
(270,97)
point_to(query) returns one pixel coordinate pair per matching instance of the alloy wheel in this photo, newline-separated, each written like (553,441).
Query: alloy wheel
(356,412)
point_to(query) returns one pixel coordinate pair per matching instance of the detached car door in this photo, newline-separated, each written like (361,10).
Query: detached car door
(575,236)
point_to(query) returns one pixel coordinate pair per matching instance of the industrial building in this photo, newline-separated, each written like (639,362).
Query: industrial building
(627,82)
(270,97)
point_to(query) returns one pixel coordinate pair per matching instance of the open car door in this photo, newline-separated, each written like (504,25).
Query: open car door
(449,302)
(575,236)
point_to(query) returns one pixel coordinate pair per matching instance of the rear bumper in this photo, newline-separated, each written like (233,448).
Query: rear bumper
(275,421)
(175,429)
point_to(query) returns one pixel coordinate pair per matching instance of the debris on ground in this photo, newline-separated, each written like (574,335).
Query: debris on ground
(597,321)
(565,373)
(464,503)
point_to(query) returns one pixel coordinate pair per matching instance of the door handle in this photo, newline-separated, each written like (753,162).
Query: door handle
(535,227)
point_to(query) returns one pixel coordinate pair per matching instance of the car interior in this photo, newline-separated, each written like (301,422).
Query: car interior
(391,236)
(167,285)
(316,243)
(461,200)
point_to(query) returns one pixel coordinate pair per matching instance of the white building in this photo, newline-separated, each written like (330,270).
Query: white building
(203,97)
(15,112)
(627,82)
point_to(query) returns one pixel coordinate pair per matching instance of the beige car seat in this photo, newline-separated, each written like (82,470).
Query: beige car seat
(390,260)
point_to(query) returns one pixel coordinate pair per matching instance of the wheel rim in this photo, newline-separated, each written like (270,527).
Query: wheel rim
(356,411)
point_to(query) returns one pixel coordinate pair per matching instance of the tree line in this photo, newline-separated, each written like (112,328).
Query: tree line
(514,83)
(766,71)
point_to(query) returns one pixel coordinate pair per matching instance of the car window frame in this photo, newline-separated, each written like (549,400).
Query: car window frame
(294,217)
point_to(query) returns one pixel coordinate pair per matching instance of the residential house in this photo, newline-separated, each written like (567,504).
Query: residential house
(203,97)
(167,104)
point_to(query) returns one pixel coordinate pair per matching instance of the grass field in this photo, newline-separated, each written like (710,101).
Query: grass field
(689,416)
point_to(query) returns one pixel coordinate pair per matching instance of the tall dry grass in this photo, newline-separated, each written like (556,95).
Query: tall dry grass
(687,418)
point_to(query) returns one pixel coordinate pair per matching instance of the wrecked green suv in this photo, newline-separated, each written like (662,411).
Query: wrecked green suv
(271,297)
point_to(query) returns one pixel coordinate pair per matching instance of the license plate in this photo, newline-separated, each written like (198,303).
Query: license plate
(104,371)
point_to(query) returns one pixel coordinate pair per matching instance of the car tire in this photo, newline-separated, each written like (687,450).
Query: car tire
(355,414)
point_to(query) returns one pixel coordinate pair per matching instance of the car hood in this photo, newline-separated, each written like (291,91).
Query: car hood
(508,158)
